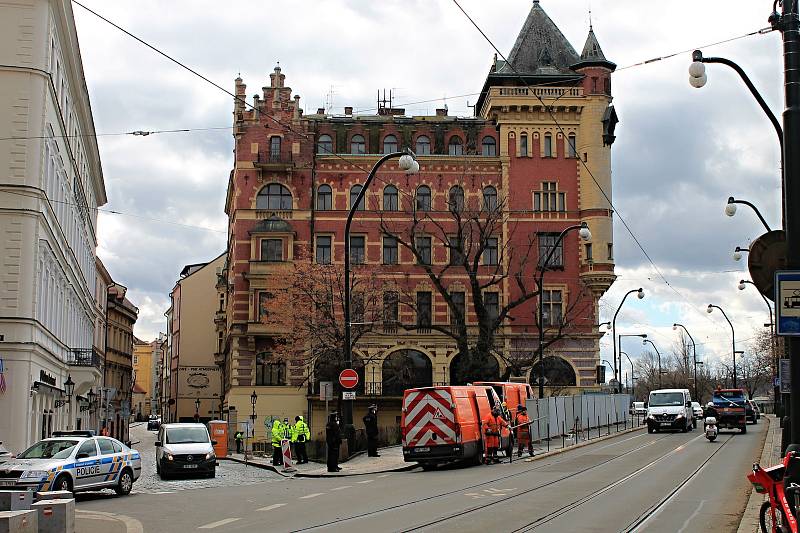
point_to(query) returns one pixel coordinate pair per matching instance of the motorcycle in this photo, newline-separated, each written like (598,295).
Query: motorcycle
(777,515)
(711,428)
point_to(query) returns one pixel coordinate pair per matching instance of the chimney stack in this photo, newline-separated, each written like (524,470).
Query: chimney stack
(348,110)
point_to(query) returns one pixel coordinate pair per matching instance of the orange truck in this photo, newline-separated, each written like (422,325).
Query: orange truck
(443,424)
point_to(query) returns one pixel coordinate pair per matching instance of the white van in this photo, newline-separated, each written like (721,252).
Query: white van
(670,409)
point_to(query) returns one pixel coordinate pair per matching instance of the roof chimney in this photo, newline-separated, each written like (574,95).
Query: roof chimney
(348,110)
(441,112)
(320,111)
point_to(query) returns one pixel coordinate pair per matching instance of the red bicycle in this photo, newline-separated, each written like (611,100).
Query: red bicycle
(778,515)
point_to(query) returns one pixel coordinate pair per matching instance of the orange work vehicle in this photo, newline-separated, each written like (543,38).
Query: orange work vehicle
(512,394)
(443,424)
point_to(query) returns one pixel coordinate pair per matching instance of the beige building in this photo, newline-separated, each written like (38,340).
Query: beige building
(194,375)
(118,387)
(142,378)
(51,183)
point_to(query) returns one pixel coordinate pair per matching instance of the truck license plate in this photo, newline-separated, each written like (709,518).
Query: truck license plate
(190,466)
(422,449)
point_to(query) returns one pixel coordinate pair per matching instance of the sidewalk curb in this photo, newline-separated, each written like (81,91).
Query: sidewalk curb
(412,466)
(749,521)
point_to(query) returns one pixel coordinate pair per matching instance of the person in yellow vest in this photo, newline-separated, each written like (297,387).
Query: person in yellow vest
(300,435)
(277,436)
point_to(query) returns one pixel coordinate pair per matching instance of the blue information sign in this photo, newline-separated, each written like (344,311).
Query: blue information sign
(787,303)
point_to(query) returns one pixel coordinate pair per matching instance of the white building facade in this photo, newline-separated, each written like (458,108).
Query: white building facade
(51,184)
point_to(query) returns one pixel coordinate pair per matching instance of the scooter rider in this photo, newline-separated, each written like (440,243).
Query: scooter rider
(710,410)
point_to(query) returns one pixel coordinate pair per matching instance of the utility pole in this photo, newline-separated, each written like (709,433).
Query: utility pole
(789,26)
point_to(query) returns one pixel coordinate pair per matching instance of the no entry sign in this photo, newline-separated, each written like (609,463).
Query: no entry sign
(348,379)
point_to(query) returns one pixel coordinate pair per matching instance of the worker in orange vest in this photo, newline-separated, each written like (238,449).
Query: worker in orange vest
(522,423)
(493,425)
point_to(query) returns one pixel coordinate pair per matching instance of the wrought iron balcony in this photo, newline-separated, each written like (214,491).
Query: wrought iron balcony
(83,357)
(273,160)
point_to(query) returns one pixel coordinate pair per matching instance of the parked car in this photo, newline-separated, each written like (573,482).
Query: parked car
(5,455)
(750,412)
(74,461)
(698,410)
(185,448)
(153,423)
(638,409)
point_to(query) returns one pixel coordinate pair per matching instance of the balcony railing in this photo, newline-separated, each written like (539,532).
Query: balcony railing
(83,357)
(277,159)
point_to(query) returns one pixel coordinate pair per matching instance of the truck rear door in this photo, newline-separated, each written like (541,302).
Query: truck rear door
(430,418)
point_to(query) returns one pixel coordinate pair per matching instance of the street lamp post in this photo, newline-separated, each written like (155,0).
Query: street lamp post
(776,388)
(711,307)
(69,388)
(639,294)
(738,251)
(253,400)
(633,383)
(90,398)
(408,163)
(730,210)
(585,234)
(658,355)
(675,326)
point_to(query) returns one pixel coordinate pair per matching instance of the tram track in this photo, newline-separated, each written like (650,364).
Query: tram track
(491,481)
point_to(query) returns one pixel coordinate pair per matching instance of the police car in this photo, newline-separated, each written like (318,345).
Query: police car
(73,461)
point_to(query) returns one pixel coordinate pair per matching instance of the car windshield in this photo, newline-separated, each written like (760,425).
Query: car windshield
(663,399)
(49,449)
(186,435)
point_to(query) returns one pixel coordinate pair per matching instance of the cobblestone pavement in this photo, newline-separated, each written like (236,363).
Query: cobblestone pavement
(229,473)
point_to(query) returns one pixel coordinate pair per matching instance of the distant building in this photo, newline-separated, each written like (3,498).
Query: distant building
(51,183)
(193,341)
(142,377)
(118,388)
(539,146)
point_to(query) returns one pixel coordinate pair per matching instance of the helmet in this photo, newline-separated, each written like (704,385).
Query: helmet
(710,404)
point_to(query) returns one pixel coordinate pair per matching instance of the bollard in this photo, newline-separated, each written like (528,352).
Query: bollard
(563,436)
(15,500)
(55,516)
(18,522)
(598,427)
(548,434)
(608,424)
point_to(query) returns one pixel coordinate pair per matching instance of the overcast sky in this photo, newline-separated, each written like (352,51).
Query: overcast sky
(680,152)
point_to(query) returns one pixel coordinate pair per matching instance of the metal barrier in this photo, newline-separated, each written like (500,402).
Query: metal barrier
(580,414)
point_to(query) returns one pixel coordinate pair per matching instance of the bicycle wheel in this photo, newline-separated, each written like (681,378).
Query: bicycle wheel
(765,519)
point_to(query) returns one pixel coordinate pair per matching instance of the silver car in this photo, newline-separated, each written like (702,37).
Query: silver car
(73,461)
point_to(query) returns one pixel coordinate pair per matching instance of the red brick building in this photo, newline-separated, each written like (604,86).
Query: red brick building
(539,147)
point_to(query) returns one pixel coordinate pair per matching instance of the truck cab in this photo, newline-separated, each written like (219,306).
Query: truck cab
(730,405)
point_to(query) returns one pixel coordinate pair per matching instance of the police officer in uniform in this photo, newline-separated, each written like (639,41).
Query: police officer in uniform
(333,438)
(300,435)
(371,427)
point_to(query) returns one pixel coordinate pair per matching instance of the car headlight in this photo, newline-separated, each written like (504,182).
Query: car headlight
(33,474)
(679,416)
(210,455)
(168,456)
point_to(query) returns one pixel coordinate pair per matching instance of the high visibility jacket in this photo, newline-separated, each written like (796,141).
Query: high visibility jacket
(524,430)
(492,428)
(277,433)
(238,436)
(300,431)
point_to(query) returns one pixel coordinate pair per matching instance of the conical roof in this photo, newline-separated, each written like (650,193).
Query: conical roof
(540,48)
(592,53)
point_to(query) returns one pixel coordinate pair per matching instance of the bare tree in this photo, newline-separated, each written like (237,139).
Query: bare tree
(486,249)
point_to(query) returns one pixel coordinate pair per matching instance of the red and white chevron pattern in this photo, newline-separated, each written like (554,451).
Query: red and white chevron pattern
(429,413)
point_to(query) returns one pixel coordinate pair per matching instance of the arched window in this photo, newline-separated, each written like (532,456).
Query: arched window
(465,370)
(324,198)
(455,198)
(557,372)
(325,145)
(523,145)
(455,147)
(489,198)
(489,146)
(406,369)
(357,145)
(572,146)
(389,144)
(548,145)
(274,196)
(423,198)
(390,202)
(355,190)
(423,146)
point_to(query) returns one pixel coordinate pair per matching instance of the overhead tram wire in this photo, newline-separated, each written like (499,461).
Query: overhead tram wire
(583,163)
(136,133)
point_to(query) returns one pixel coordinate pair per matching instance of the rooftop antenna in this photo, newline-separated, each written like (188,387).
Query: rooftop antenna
(383,101)
(590,19)
(329,99)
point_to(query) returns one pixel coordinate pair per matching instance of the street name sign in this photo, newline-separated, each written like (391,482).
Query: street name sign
(348,379)
(787,303)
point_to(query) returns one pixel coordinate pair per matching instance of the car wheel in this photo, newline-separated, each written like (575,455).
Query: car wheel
(63,482)
(744,429)
(163,474)
(125,483)
(685,427)
(650,428)
(213,473)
